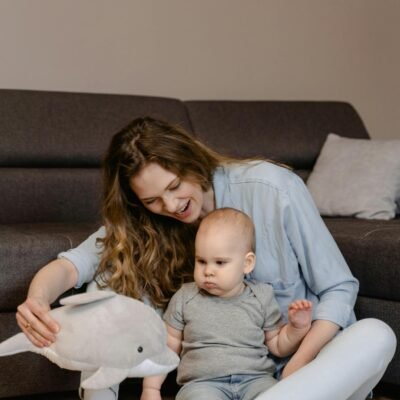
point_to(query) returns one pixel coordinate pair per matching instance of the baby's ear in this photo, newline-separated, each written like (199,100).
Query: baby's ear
(250,262)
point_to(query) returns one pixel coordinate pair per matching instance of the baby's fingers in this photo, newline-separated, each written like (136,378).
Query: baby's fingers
(301,305)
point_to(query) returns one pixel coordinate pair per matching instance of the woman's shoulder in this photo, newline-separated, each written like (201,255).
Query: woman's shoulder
(258,171)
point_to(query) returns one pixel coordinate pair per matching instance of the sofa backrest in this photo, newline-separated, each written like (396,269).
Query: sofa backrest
(52,143)
(290,132)
(51,147)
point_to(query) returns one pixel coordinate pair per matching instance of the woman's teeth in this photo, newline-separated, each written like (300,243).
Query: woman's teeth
(183,209)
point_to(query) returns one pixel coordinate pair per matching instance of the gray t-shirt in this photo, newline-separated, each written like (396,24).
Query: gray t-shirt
(223,336)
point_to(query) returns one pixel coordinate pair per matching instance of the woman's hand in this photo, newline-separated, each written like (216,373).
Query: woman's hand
(318,336)
(33,315)
(34,320)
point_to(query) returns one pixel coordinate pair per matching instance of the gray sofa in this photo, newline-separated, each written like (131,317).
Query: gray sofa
(51,147)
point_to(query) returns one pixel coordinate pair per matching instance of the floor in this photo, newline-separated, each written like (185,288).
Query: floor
(381,392)
(387,392)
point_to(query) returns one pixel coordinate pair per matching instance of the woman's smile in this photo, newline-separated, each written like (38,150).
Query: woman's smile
(164,192)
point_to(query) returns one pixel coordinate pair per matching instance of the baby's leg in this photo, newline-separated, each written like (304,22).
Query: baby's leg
(250,388)
(205,390)
(347,368)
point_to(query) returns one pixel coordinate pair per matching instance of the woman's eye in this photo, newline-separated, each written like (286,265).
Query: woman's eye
(176,186)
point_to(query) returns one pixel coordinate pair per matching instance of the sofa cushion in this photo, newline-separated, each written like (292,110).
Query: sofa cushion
(372,250)
(356,177)
(25,248)
(41,128)
(389,312)
(50,195)
(291,132)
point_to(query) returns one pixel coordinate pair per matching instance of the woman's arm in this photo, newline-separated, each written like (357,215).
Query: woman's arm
(322,265)
(325,271)
(319,335)
(47,285)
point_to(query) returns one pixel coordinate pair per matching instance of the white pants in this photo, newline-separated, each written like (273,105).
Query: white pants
(347,368)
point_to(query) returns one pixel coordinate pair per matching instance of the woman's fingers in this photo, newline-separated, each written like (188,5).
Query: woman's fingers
(34,320)
(37,339)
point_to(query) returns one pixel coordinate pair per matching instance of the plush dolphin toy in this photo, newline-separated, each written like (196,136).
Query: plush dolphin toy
(111,335)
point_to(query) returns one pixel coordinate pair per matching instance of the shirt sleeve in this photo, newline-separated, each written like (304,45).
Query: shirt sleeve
(273,316)
(174,314)
(85,257)
(322,264)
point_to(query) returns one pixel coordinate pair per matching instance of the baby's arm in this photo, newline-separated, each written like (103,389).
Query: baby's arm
(285,340)
(151,387)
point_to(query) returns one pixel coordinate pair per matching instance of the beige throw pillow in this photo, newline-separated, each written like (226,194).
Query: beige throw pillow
(357,177)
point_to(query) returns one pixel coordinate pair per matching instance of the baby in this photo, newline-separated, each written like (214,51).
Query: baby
(222,325)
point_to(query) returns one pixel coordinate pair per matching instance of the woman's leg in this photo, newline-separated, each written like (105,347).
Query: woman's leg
(102,394)
(347,368)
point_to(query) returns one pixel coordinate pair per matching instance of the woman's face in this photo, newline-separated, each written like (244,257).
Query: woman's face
(163,192)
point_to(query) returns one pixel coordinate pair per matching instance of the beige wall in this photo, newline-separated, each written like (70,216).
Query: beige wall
(211,49)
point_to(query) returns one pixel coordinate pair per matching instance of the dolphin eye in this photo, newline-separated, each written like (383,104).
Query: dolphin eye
(140,349)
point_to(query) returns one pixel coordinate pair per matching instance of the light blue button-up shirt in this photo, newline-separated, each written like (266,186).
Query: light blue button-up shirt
(296,254)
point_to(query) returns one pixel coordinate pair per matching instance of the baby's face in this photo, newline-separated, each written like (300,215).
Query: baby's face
(222,260)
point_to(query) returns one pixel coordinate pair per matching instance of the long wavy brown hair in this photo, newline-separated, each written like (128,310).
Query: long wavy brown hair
(146,254)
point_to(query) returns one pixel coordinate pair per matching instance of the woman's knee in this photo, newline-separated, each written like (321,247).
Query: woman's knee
(380,335)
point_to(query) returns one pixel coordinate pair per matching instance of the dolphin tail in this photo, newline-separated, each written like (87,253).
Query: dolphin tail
(16,344)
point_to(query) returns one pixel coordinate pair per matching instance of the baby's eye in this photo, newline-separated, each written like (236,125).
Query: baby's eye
(221,262)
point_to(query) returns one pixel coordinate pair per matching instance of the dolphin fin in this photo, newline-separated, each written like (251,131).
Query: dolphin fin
(104,378)
(88,297)
(16,344)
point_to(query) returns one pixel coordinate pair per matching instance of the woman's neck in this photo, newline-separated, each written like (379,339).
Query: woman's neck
(209,202)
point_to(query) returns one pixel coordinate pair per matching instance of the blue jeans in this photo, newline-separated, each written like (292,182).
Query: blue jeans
(232,387)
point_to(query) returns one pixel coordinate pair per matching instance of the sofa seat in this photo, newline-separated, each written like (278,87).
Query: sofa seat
(371,247)
(51,149)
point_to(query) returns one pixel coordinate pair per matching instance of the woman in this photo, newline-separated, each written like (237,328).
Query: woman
(159,182)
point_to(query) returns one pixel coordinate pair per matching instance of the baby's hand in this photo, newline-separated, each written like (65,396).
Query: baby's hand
(300,313)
